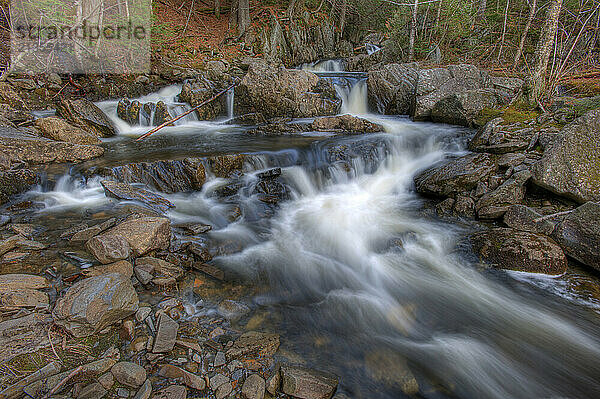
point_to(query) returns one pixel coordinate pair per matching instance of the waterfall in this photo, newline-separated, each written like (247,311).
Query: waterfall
(230,101)
(371,48)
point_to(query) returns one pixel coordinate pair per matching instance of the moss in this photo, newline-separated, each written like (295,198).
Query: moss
(512,114)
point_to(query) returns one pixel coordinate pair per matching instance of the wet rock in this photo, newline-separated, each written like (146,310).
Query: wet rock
(456,176)
(226,166)
(493,205)
(194,228)
(281,127)
(571,167)
(199,90)
(254,387)
(59,130)
(23,298)
(161,114)
(158,267)
(522,218)
(130,374)
(305,383)
(183,377)
(519,250)
(122,393)
(166,334)
(293,93)
(220,359)
(124,191)
(391,88)
(273,383)
(145,391)
(11,282)
(172,392)
(86,115)
(4,220)
(92,391)
(14,182)
(391,369)
(95,303)
(143,234)
(254,343)
(464,206)
(89,232)
(463,108)
(217,380)
(13,115)
(233,310)
(345,124)
(498,138)
(109,248)
(142,313)
(24,335)
(579,234)
(8,95)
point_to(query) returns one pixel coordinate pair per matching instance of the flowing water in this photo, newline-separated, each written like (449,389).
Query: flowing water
(358,277)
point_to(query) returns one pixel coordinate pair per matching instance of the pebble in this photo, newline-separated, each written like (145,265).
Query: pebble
(142,313)
(122,393)
(217,380)
(219,360)
(130,374)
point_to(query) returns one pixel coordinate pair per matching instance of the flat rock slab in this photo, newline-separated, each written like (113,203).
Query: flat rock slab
(254,343)
(124,191)
(579,234)
(184,377)
(166,336)
(304,383)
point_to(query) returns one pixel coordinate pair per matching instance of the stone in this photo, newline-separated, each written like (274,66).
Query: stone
(13,182)
(579,234)
(391,369)
(391,88)
(143,234)
(273,383)
(182,376)
(142,313)
(345,124)
(107,380)
(57,129)
(129,374)
(122,267)
(223,391)
(122,393)
(571,166)
(220,360)
(109,248)
(254,387)
(171,392)
(145,391)
(23,298)
(194,228)
(86,115)
(233,310)
(10,282)
(463,108)
(90,232)
(520,217)
(92,391)
(159,267)
(95,303)
(497,137)
(305,383)
(166,334)
(494,204)
(124,191)
(254,343)
(519,250)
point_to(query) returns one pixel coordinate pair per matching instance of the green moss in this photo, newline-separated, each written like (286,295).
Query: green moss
(513,114)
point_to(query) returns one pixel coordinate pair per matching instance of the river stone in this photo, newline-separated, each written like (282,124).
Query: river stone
(23,298)
(345,124)
(95,303)
(172,392)
(109,248)
(92,391)
(124,191)
(571,167)
(254,387)
(391,369)
(520,217)
(86,115)
(159,267)
(89,232)
(254,343)
(223,391)
(128,373)
(122,267)
(166,334)
(519,250)
(463,108)
(57,129)
(8,95)
(455,176)
(145,391)
(579,234)
(233,310)
(186,378)
(392,88)
(14,182)
(304,383)
(11,282)
(494,205)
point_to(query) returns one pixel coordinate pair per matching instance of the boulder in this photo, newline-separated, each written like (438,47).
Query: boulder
(392,88)
(345,124)
(124,191)
(199,90)
(520,217)
(86,115)
(497,138)
(463,108)
(494,204)
(571,167)
(293,93)
(122,267)
(254,387)
(166,334)
(9,282)
(254,343)
(184,377)
(455,176)
(14,182)
(129,374)
(109,248)
(95,303)
(519,250)
(89,232)
(304,383)
(579,234)
(145,391)
(13,115)
(171,392)
(59,130)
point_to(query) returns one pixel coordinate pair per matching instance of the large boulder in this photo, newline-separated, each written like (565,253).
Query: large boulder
(199,90)
(494,204)
(456,176)
(498,138)
(392,88)
(520,217)
(86,115)
(59,130)
(277,92)
(304,383)
(345,124)
(463,108)
(571,167)
(579,234)
(13,182)
(96,303)
(519,250)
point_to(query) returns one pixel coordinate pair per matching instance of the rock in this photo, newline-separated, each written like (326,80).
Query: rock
(14,182)
(345,124)
(217,380)
(143,313)
(305,383)
(519,250)
(124,191)
(510,86)
(273,383)
(520,217)
(161,114)
(223,391)
(166,334)
(493,205)
(254,387)
(23,298)
(107,380)
(220,359)
(293,93)
(183,377)
(194,228)
(95,303)
(571,167)
(209,270)
(456,176)
(143,234)
(109,248)
(13,115)
(92,391)
(579,234)
(59,130)
(89,232)
(391,369)
(86,115)
(254,343)
(9,96)
(233,310)
(463,108)
(392,88)
(159,267)
(23,335)
(199,90)
(122,267)
(130,374)
(145,391)
(11,282)
(172,392)
(497,138)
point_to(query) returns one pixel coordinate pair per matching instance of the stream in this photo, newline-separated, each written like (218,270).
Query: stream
(354,270)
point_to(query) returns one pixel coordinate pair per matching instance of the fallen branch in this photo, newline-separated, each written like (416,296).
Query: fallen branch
(15,390)
(63,382)
(186,113)
(554,215)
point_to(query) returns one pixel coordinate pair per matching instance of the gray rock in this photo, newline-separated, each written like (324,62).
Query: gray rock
(109,248)
(124,191)
(107,380)
(498,138)
(273,383)
(305,383)
(392,88)
(122,393)
(86,115)
(142,313)
(494,204)
(92,391)
(219,360)
(254,343)
(184,377)
(166,334)
(519,250)
(128,373)
(95,303)
(520,217)
(345,124)
(217,380)
(59,130)
(579,234)
(254,387)
(571,167)
(463,108)
(171,392)
(145,391)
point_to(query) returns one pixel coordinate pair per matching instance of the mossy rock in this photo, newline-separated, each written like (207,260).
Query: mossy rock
(511,114)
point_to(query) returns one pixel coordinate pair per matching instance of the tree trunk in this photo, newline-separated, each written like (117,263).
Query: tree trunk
(532,10)
(217,8)
(503,31)
(537,80)
(413,32)
(243,16)
(343,17)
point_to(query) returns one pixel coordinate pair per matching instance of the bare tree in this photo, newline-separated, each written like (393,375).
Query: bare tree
(243,16)
(532,10)
(413,31)
(217,8)
(343,17)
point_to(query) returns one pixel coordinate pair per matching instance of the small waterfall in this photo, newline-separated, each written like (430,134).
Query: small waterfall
(230,102)
(371,48)
(324,66)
